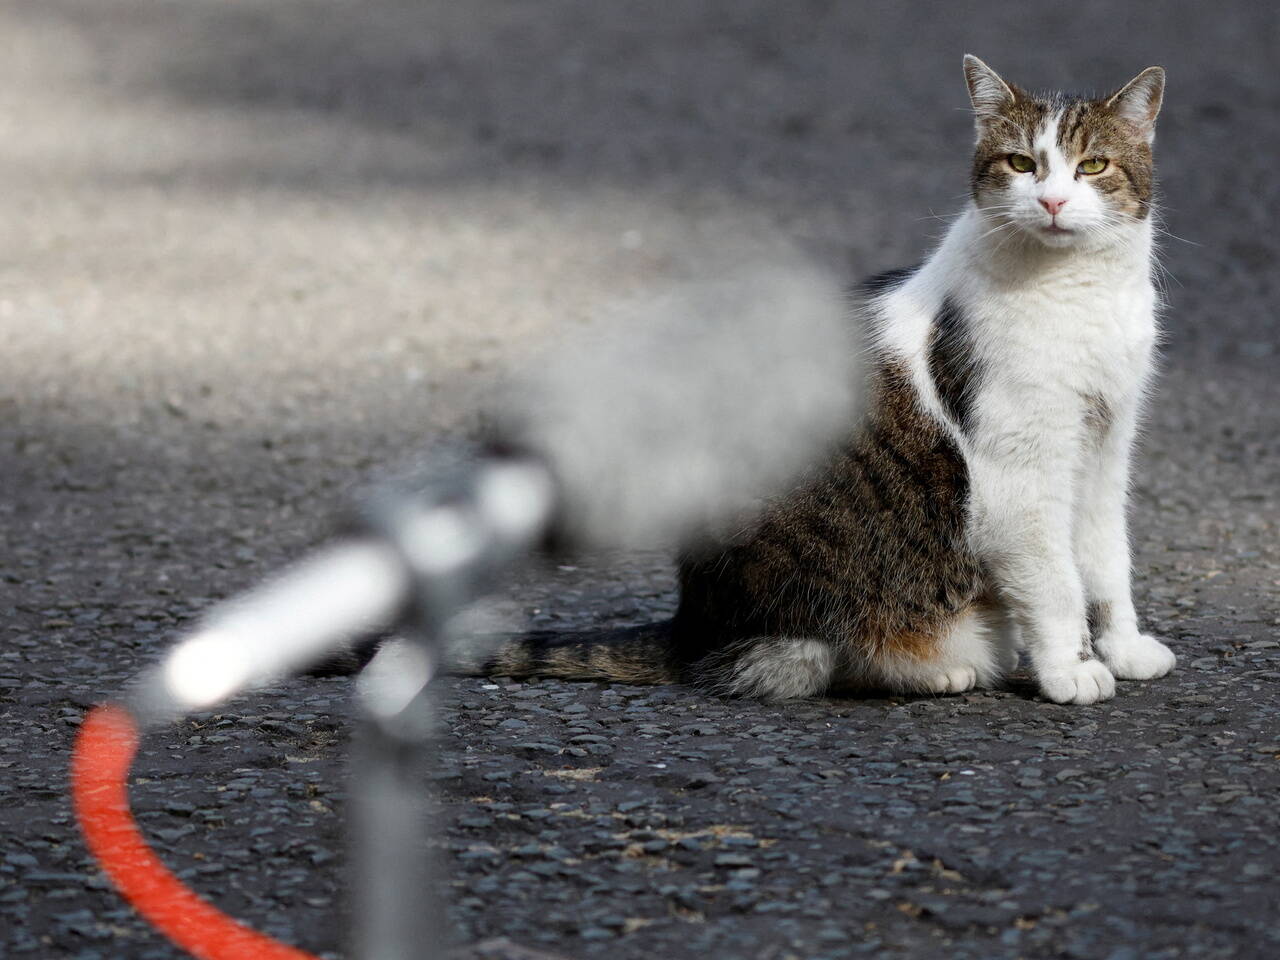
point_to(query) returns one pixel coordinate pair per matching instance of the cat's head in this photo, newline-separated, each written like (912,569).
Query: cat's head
(1066,170)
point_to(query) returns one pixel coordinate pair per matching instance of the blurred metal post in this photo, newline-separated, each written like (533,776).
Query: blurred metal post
(399,903)
(457,538)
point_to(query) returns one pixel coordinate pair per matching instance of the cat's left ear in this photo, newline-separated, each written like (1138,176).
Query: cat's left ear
(1138,101)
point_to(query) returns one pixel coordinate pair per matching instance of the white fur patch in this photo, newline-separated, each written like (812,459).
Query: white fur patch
(783,670)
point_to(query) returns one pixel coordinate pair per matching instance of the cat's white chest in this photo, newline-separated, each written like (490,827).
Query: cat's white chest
(1006,345)
(1083,335)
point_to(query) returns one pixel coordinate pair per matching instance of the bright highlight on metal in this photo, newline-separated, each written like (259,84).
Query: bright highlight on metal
(341,593)
(394,677)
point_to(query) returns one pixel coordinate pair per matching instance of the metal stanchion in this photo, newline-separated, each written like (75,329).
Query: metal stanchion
(456,540)
(399,907)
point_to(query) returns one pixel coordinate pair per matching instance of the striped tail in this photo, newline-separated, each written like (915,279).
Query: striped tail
(639,655)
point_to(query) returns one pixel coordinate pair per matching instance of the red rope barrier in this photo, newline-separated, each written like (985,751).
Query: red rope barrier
(105,747)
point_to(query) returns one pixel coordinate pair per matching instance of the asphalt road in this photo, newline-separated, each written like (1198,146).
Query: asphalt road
(252,252)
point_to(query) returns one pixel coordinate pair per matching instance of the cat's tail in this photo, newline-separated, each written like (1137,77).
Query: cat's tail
(640,655)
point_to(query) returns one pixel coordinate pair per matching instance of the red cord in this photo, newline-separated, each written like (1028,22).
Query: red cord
(104,750)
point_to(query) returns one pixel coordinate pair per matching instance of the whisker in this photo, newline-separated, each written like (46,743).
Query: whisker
(1173,236)
(997,228)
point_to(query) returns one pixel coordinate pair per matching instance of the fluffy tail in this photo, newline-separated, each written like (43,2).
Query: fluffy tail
(639,655)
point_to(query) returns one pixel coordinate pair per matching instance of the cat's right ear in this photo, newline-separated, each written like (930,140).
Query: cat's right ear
(988,93)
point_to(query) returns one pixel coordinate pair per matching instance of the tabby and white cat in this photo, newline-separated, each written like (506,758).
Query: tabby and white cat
(980,509)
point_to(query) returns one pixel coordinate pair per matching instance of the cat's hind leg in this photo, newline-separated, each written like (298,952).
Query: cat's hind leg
(963,656)
(1006,636)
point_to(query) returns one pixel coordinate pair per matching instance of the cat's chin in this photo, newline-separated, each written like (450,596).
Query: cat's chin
(1057,237)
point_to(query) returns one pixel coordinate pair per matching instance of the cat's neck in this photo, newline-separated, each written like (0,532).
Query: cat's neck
(977,247)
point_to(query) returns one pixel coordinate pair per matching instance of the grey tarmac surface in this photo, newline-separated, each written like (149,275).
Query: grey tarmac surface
(252,252)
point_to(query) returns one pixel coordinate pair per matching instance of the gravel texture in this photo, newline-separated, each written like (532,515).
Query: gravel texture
(251,252)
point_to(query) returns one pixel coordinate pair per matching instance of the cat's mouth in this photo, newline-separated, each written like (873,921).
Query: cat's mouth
(1056,230)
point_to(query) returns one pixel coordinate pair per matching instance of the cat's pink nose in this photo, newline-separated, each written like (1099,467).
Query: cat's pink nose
(1052,204)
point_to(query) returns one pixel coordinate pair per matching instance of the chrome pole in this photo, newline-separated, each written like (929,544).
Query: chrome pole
(456,541)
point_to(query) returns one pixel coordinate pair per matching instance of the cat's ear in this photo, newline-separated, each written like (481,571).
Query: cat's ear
(988,93)
(1138,102)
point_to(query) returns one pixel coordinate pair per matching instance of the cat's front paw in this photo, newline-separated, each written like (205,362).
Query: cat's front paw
(1081,681)
(1135,657)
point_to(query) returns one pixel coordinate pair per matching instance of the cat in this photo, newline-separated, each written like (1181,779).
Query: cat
(980,509)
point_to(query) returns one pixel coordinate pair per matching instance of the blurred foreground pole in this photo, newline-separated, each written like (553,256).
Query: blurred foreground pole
(455,539)
(398,898)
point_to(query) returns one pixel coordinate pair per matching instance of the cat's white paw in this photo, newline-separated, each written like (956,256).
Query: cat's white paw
(953,680)
(1135,657)
(1082,681)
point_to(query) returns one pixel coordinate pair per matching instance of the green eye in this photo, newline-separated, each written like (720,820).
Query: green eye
(1092,166)
(1021,162)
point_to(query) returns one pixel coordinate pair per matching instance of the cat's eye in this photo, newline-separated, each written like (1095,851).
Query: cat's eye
(1092,165)
(1022,163)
